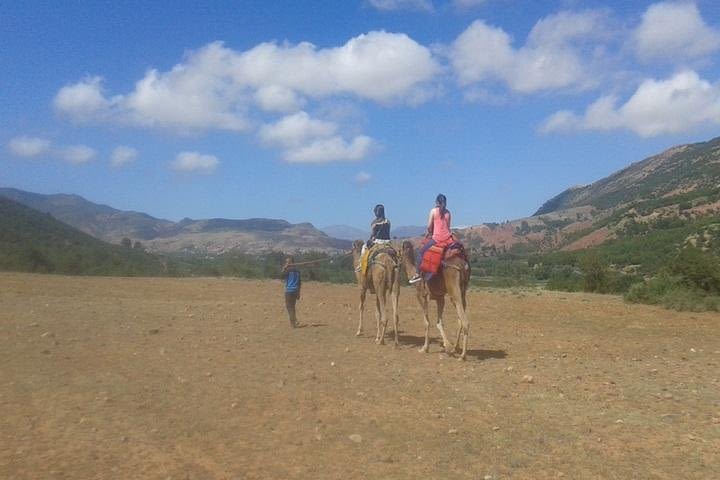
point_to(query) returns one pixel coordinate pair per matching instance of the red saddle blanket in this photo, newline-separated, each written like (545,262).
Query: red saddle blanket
(434,256)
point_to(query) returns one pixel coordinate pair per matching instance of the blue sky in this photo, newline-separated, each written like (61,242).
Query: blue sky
(317,110)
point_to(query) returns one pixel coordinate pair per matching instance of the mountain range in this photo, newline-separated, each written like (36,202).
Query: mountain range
(204,237)
(680,184)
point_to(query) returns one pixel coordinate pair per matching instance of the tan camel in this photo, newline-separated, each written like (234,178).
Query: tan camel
(382,279)
(453,281)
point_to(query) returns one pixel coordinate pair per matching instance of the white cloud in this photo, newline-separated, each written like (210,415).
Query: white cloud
(76,154)
(274,98)
(678,104)
(122,155)
(296,129)
(25,146)
(390,5)
(216,87)
(309,140)
(362,178)
(674,30)
(324,150)
(83,101)
(558,54)
(195,162)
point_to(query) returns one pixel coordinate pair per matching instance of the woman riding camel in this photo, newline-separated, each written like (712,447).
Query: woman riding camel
(438,231)
(379,229)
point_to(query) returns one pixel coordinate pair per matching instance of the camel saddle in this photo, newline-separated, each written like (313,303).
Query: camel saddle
(435,256)
(373,252)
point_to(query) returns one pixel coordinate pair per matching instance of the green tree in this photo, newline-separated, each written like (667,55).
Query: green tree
(595,273)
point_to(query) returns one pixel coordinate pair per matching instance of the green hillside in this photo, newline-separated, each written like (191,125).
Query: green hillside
(31,241)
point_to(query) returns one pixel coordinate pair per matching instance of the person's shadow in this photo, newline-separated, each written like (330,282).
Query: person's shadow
(475,354)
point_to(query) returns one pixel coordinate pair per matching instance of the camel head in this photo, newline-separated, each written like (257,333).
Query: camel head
(357,248)
(408,251)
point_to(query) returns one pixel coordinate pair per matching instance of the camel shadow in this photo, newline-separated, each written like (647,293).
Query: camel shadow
(476,354)
(311,325)
(480,355)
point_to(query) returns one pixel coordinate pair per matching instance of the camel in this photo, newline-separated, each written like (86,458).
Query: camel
(382,279)
(453,281)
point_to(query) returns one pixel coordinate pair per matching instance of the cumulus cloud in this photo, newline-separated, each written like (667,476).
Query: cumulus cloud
(296,129)
(674,30)
(678,104)
(24,146)
(362,178)
(558,53)
(83,101)
(274,98)
(122,155)
(324,150)
(216,86)
(194,162)
(76,154)
(390,5)
(310,140)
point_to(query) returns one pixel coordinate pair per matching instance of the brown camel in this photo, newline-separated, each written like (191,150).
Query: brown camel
(452,280)
(382,279)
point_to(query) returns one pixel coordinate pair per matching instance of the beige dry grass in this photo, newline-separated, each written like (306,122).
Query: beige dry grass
(118,378)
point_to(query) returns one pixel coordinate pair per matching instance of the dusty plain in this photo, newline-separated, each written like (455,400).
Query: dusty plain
(202,378)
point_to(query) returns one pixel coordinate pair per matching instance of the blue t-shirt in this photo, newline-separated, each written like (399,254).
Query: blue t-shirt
(292,281)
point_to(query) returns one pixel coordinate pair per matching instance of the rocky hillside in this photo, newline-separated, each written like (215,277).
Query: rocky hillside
(204,237)
(678,186)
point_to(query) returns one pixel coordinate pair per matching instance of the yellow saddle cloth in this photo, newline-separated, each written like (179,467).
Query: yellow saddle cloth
(374,251)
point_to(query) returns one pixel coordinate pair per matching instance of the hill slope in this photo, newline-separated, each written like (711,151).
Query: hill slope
(674,189)
(205,236)
(36,242)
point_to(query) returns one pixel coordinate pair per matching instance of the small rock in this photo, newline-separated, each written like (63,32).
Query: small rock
(453,431)
(123,439)
(208,374)
(332,364)
(619,421)
(528,379)
(347,349)
(487,477)
(495,429)
(509,369)
(355,438)
(234,405)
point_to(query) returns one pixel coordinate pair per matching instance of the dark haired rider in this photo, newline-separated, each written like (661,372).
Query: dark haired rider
(438,230)
(379,229)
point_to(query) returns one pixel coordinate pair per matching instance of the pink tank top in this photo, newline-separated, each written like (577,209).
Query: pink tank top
(441,225)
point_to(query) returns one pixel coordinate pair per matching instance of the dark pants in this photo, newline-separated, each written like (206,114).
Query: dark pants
(421,252)
(290,299)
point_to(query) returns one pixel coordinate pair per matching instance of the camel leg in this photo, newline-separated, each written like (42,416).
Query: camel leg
(423,299)
(395,306)
(363,292)
(440,307)
(382,318)
(459,303)
(464,327)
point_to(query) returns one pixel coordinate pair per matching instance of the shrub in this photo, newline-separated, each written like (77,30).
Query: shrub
(565,279)
(595,273)
(698,269)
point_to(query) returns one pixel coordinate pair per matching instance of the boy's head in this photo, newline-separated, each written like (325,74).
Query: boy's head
(289,260)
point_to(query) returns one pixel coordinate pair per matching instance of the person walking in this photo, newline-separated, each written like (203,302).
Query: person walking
(293,282)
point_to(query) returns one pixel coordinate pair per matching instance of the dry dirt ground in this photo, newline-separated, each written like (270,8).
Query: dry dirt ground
(118,378)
